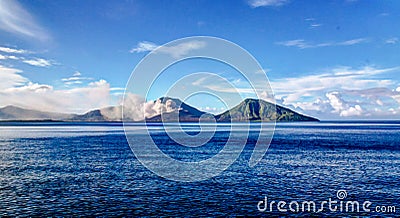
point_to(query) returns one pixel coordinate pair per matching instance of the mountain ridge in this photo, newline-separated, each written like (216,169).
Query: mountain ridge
(253,110)
(257,110)
(11,112)
(185,112)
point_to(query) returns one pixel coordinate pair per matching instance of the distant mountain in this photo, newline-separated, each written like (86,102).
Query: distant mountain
(256,110)
(17,113)
(177,108)
(113,113)
(248,110)
(170,108)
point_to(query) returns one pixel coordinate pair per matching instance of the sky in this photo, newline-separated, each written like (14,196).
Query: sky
(330,59)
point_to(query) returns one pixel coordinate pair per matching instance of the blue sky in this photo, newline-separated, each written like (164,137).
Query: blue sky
(331,59)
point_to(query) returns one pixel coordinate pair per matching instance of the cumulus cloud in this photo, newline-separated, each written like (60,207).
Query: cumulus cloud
(17,90)
(136,108)
(45,97)
(341,107)
(176,51)
(338,78)
(302,44)
(153,108)
(352,111)
(14,18)
(335,101)
(267,3)
(342,92)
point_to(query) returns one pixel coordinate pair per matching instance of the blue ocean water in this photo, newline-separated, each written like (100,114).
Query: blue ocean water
(75,169)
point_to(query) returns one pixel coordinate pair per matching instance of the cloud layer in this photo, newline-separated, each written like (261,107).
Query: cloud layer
(342,92)
(18,90)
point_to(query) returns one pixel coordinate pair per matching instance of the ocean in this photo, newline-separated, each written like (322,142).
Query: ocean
(310,169)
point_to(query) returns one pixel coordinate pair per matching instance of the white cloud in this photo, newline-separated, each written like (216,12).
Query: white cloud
(267,3)
(76,82)
(352,111)
(136,108)
(10,77)
(302,44)
(133,107)
(144,47)
(393,40)
(73,78)
(30,87)
(182,49)
(12,57)
(341,107)
(18,90)
(335,101)
(353,41)
(312,22)
(175,51)
(315,25)
(341,92)
(76,78)
(153,108)
(117,89)
(38,62)
(13,50)
(15,19)
(342,77)
(47,98)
